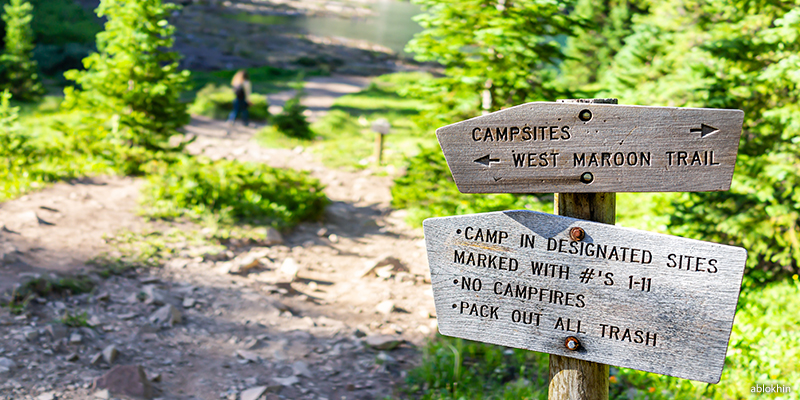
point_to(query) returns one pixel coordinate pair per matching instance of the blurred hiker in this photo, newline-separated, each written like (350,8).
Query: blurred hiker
(241,88)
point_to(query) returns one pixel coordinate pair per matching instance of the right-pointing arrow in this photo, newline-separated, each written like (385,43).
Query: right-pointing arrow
(704,130)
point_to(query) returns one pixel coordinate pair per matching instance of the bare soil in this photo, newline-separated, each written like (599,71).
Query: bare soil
(304,323)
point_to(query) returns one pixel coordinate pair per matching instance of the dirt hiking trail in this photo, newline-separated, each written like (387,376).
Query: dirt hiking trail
(330,310)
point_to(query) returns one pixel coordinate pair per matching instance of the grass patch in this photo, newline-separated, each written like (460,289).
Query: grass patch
(75,320)
(49,155)
(461,369)
(265,80)
(344,139)
(217,102)
(44,287)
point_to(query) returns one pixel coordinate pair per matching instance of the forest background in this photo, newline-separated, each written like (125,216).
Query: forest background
(489,55)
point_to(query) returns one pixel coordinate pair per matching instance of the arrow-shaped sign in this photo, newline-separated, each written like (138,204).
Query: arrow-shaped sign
(580,147)
(485,160)
(704,130)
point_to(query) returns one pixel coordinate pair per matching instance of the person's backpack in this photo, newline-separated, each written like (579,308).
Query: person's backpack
(239,91)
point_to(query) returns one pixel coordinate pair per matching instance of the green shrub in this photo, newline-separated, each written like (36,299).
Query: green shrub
(217,102)
(291,120)
(236,191)
(427,190)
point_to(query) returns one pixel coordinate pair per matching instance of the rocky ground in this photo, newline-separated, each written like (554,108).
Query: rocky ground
(331,310)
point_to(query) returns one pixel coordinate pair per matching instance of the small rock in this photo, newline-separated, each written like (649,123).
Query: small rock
(104,296)
(322,232)
(383,342)
(127,316)
(248,355)
(385,307)
(334,238)
(393,263)
(30,334)
(7,364)
(46,396)
(154,296)
(156,377)
(253,393)
(30,218)
(288,381)
(272,237)
(424,330)
(301,369)
(149,280)
(94,321)
(110,354)
(102,394)
(178,263)
(188,302)
(359,333)
(289,267)
(72,357)
(243,264)
(167,314)
(96,359)
(128,380)
(75,338)
(383,358)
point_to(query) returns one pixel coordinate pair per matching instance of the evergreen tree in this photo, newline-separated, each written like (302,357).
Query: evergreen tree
(595,42)
(20,75)
(130,88)
(496,53)
(741,55)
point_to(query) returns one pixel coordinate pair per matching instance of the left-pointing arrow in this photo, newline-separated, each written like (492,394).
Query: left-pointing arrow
(485,160)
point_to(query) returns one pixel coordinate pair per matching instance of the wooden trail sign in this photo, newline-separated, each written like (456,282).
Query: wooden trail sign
(629,298)
(577,148)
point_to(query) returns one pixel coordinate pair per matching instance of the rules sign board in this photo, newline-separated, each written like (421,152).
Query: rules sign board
(578,147)
(630,298)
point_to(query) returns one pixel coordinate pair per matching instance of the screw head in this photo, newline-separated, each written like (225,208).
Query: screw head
(587,177)
(577,233)
(585,115)
(572,343)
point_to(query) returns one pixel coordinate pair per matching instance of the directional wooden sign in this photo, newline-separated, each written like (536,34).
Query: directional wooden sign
(618,296)
(578,147)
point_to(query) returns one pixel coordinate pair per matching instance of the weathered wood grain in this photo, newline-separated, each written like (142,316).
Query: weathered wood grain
(678,320)
(547,147)
(574,379)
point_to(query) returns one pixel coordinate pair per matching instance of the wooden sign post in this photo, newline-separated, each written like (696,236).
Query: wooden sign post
(571,378)
(583,290)
(381,127)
